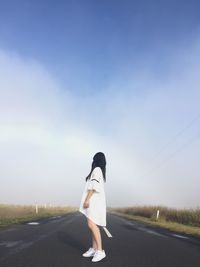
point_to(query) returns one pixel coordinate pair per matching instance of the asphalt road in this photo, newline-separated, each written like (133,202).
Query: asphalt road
(60,242)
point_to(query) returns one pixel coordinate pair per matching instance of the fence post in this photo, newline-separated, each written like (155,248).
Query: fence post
(36,208)
(157,215)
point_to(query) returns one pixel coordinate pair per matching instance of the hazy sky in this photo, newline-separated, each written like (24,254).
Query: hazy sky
(78,77)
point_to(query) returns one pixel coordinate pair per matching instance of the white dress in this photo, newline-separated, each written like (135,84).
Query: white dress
(97,203)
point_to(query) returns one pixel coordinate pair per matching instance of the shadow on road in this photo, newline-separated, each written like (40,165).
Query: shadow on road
(71,240)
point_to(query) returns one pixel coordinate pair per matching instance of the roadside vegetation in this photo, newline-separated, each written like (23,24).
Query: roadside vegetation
(10,214)
(185,221)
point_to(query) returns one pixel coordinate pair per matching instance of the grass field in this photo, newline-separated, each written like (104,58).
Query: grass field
(180,220)
(10,214)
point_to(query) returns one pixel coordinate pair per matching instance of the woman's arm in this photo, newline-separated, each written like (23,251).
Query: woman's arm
(87,199)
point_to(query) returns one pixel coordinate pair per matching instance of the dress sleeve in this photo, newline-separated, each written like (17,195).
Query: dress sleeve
(95,180)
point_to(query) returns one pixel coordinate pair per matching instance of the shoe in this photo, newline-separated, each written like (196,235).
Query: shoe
(89,253)
(99,255)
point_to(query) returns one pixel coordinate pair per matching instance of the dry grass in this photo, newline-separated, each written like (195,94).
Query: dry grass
(180,220)
(183,216)
(10,214)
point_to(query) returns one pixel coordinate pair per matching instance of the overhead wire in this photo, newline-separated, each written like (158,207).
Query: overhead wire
(176,136)
(189,125)
(172,155)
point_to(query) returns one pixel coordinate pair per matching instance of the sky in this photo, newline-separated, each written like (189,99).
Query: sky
(79,77)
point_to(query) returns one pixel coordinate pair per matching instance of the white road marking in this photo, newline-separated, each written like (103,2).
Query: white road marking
(33,223)
(131,223)
(154,233)
(180,236)
(55,217)
(149,231)
(10,244)
(9,230)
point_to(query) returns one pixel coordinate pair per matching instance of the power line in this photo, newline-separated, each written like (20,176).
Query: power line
(173,154)
(176,136)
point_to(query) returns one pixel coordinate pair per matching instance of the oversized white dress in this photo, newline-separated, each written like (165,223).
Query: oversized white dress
(96,211)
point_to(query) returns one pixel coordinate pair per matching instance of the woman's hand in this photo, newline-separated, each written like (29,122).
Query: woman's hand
(86,204)
(87,199)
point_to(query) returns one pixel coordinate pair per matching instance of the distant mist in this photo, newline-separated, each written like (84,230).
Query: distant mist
(48,135)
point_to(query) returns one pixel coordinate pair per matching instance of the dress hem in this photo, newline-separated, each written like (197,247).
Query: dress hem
(102,225)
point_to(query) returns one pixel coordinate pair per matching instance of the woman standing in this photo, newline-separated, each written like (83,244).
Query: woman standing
(93,206)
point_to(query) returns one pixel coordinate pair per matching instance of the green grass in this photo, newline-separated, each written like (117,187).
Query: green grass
(185,221)
(12,214)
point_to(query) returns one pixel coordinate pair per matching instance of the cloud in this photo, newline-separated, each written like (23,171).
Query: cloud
(40,138)
(48,135)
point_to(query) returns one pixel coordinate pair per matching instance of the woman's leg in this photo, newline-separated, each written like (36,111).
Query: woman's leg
(94,244)
(96,234)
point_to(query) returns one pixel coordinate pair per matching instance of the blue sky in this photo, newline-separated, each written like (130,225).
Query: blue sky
(82,76)
(98,40)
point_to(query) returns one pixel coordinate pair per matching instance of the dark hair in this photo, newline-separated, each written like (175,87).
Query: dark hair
(99,160)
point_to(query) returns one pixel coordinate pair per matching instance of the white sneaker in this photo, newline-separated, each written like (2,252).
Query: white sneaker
(89,253)
(99,255)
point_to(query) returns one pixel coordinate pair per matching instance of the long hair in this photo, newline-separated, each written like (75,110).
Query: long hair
(99,160)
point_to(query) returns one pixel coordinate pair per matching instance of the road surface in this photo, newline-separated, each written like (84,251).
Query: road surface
(59,241)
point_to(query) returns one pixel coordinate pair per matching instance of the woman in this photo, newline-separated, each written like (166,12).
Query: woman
(93,206)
